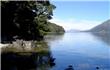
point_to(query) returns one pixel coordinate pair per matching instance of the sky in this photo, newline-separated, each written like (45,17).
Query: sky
(80,15)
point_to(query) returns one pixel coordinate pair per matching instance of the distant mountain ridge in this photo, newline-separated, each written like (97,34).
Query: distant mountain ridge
(73,30)
(104,27)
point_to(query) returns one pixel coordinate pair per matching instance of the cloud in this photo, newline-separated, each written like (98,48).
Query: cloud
(69,24)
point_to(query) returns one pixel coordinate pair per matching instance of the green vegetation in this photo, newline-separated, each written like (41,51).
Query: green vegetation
(51,28)
(27,20)
(24,23)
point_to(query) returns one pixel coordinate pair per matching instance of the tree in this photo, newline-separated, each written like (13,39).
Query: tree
(24,18)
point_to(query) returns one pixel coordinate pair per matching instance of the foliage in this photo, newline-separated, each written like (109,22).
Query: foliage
(53,28)
(24,18)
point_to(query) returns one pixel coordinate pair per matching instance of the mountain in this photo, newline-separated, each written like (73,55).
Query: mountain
(104,27)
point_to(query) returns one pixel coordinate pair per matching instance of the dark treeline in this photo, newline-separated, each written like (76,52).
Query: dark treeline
(25,19)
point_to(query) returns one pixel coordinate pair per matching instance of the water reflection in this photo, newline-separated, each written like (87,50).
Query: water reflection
(55,37)
(105,37)
(27,61)
(84,51)
(73,51)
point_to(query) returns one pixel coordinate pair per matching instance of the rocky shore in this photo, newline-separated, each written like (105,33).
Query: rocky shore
(25,46)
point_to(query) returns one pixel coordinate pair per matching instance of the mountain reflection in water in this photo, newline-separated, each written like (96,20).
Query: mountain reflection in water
(105,37)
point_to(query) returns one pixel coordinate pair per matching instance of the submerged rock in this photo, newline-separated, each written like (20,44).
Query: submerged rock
(70,67)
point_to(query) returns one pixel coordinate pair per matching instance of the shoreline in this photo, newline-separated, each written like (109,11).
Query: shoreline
(2,45)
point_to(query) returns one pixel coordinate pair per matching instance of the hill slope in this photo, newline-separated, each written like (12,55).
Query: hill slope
(52,28)
(104,27)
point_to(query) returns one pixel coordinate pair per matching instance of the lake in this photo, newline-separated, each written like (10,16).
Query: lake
(81,50)
(69,51)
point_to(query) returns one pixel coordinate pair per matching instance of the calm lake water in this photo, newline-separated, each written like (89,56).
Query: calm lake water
(80,51)
(84,51)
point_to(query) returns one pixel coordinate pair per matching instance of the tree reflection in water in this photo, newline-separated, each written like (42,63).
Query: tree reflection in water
(35,61)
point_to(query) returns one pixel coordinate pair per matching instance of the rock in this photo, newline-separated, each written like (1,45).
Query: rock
(70,67)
